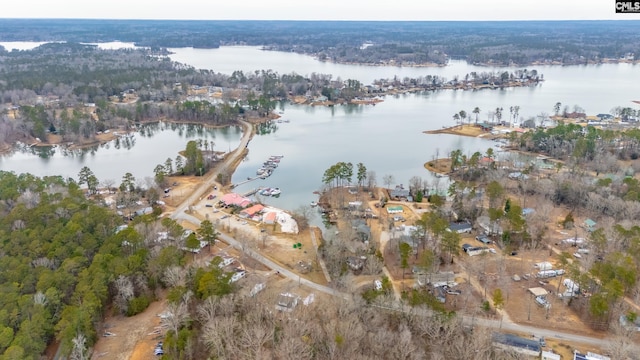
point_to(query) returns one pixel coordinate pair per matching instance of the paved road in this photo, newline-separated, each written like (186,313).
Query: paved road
(266,261)
(210,179)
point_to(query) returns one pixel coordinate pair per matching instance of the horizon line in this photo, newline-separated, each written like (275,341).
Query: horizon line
(322,20)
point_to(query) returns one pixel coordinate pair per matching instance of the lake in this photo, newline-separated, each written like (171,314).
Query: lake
(387,138)
(137,153)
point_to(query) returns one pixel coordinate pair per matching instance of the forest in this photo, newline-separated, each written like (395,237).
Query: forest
(403,43)
(76,91)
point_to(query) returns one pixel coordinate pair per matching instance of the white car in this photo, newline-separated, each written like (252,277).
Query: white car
(378,285)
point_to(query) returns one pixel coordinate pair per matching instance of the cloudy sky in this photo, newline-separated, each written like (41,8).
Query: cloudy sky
(317,10)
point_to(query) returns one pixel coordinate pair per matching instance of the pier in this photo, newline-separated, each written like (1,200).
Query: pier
(252,192)
(245,181)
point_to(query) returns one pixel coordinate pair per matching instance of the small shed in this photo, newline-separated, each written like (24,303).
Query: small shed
(590,225)
(538,291)
(545,265)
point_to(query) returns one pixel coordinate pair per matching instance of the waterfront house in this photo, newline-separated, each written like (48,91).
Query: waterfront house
(233,199)
(250,212)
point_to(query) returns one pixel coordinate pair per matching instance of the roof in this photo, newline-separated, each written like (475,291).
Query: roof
(456,226)
(516,341)
(286,301)
(253,209)
(590,223)
(538,291)
(394,209)
(270,217)
(235,199)
(589,356)
(398,193)
(527,211)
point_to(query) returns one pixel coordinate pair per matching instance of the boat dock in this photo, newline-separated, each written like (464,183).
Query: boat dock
(245,181)
(252,192)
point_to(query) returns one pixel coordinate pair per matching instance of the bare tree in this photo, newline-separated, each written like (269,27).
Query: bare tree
(79,351)
(125,292)
(387,180)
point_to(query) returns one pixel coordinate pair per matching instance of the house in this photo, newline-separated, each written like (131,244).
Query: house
(590,225)
(226,261)
(233,199)
(144,211)
(399,194)
(460,227)
(486,161)
(572,288)
(257,288)
(573,241)
(602,117)
(485,127)
(394,209)
(479,251)
(251,211)
(516,343)
(517,175)
(589,356)
(238,274)
(489,227)
(286,302)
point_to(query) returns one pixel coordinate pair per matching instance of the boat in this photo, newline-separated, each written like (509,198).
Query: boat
(276,156)
(313,204)
(261,171)
(266,174)
(275,191)
(265,192)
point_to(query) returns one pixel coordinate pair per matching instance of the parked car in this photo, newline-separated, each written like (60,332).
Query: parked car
(209,205)
(466,247)
(224,216)
(158,350)
(377,285)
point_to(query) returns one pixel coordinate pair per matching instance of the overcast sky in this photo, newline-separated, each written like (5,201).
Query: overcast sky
(317,9)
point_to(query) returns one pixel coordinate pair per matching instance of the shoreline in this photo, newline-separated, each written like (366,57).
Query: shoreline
(468,130)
